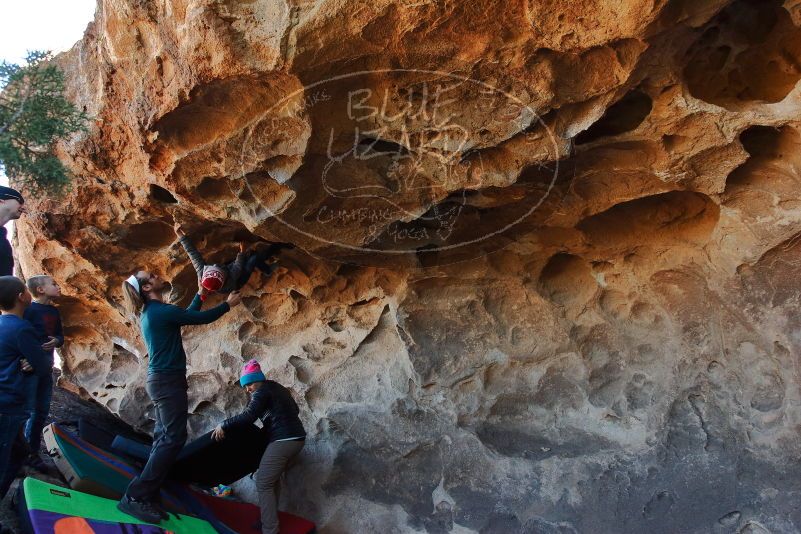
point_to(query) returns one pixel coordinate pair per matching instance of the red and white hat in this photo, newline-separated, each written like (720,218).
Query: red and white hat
(213,278)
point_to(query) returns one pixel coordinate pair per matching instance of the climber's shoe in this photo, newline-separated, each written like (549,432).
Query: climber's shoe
(142,510)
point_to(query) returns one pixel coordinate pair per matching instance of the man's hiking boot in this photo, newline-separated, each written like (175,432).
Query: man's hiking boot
(160,510)
(142,510)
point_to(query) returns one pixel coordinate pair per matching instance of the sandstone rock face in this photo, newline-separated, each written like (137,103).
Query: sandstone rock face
(544,275)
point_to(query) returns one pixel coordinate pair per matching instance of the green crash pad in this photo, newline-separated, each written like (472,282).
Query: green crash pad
(48,505)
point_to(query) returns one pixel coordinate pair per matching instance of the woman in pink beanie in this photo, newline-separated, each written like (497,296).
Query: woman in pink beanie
(274,406)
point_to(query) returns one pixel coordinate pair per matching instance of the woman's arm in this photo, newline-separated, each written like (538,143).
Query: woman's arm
(190,315)
(259,402)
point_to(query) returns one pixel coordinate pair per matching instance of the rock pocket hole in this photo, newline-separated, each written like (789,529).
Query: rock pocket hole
(150,234)
(160,194)
(621,117)
(124,365)
(296,296)
(567,278)
(336,326)
(672,217)
(750,53)
(214,189)
(773,159)
(216,110)
(760,140)
(369,145)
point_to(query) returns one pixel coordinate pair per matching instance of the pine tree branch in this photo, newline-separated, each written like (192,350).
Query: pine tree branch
(18,112)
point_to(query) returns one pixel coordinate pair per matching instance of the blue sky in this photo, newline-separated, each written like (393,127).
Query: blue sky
(41,25)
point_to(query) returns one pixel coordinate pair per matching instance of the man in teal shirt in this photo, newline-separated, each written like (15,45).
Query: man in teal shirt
(166,382)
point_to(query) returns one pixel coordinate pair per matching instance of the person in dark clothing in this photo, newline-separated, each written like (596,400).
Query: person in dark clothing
(12,206)
(234,275)
(46,320)
(273,405)
(166,382)
(20,351)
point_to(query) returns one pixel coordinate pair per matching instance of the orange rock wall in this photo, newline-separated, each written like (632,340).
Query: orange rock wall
(544,275)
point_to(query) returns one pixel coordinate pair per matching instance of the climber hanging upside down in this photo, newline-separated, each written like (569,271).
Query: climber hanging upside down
(234,275)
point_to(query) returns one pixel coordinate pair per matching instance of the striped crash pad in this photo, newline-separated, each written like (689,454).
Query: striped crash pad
(49,509)
(90,469)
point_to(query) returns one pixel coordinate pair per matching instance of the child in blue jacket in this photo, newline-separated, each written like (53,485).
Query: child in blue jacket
(46,320)
(20,350)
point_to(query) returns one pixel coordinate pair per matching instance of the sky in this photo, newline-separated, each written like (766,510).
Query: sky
(41,25)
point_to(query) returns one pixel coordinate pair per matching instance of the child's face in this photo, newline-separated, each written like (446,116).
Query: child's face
(25,297)
(253,386)
(49,289)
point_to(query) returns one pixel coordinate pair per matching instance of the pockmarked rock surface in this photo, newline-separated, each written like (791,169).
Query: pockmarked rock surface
(546,252)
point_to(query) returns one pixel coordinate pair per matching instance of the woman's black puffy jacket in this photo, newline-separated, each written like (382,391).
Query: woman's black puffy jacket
(274,405)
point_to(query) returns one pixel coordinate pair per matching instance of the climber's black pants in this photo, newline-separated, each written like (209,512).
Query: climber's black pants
(168,391)
(257,260)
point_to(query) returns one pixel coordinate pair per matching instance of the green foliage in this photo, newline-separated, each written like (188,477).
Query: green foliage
(34,114)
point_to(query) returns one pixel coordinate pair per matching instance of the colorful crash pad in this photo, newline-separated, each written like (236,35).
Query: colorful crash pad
(130,447)
(99,437)
(244,517)
(92,470)
(49,509)
(102,473)
(103,439)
